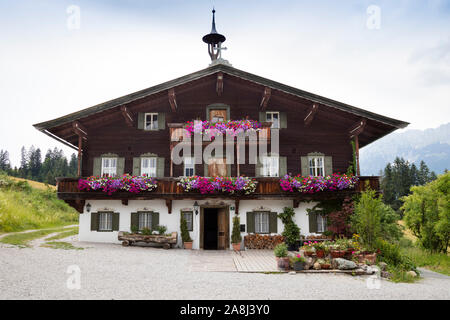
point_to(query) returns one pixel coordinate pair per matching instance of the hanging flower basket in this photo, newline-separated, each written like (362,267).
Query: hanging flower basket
(110,185)
(311,184)
(229,185)
(232,127)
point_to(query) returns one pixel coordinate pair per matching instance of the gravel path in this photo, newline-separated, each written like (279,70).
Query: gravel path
(111,271)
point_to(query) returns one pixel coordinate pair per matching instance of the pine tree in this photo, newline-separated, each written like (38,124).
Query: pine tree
(5,164)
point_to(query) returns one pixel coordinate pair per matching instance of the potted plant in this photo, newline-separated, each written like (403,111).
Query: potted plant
(308,248)
(325,263)
(281,254)
(298,262)
(291,231)
(236,237)
(187,241)
(320,249)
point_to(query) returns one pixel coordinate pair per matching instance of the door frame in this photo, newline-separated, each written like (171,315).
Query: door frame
(202,221)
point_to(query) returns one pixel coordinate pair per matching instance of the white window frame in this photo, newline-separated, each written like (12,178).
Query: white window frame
(149,171)
(189,164)
(270,166)
(105,221)
(314,166)
(110,170)
(145,220)
(190,221)
(321,223)
(269,118)
(262,222)
(153,123)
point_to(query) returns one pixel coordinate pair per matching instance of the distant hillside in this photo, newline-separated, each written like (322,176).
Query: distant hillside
(430,145)
(35,184)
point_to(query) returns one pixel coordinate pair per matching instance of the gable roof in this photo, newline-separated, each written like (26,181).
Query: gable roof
(43,126)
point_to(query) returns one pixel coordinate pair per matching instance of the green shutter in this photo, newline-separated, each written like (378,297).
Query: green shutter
(282,166)
(312,222)
(205,170)
(94,221)
(97,171)
(155,220)
(273,222)
(160,162)
(262,117)
(136,166)
(161,121)
(115,221)
(283,120)
(258,168)
(229,170)
(250,222)
(305,166)
(134,221)
(328,165)
(120,166)
(141,120)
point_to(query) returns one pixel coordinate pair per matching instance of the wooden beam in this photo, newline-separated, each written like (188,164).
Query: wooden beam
(125,202)
(127,115)
(79,129)
(357,128)
(80,155)
(296,203)
(172,100)
(169,205)
(236,207)
(265,98)
(219,84)
(358,172)
(311,113)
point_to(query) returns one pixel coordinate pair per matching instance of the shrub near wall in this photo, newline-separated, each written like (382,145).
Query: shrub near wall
(259,241)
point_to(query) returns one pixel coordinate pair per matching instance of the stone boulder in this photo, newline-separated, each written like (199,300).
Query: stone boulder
(343,264)
(411,273)
(383,266)
(309,263)
(316,266)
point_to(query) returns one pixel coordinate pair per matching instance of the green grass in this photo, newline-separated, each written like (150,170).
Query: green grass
(60,245)
(23,239)
(65,234)
(23,207)
(439,262)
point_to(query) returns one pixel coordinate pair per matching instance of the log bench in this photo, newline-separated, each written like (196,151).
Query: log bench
(167,241)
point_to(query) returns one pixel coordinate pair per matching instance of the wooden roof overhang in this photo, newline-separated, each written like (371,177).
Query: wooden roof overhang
(368,126)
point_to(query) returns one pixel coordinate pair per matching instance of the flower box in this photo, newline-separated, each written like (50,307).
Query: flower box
(312,184)
(208,185)
(133,184)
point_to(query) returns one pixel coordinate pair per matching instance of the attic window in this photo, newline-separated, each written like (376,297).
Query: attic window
(151,121)
(273,117)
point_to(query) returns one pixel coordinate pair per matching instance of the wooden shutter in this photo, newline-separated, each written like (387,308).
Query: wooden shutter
(305,166)
(328,165)
(134,221)
(160,162)
(262,117)
(282,166)
(273,222)
(120,166)
(258,168)
(312,222)
(155,220)
(94,221)
(205,170)
(97,170)
(136,166)
(115,221)
(250,222)
(161,121)
(141,120)
(283,120)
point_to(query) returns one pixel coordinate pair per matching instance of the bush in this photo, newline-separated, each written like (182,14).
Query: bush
(291,231)
(391,254)
(161,229)
(281,250)
(236,233)
(184,230)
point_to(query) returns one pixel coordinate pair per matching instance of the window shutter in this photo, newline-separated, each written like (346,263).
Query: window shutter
(250,222)
(120,166)
(258,168)
(115,221)
(282,166)
(136,166)
(94,221)
(273,222)
(160,161)
(328,165)
(97,170)
(161,121)
(283,120)
(312,222)
(205,170)
(134,221)
(229,170)
(155,220)
(262,117)
(141,120)
(305,166)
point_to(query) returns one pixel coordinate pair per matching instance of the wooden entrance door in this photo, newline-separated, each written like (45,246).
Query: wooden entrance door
(223,229)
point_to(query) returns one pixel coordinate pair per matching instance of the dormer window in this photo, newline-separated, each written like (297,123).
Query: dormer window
(274,117)
(151,121)
(148,166)
(316,165)
(109,167)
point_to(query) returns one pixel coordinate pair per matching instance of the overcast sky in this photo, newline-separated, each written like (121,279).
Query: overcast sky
(396,63)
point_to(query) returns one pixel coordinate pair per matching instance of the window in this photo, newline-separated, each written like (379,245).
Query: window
(321,223)
(273,117)
(148,166)
(316,166)
(189,166)
(151,121)
(261,222)
(270,166)
(105,221)
(109,167)
(145,220)
(189,217)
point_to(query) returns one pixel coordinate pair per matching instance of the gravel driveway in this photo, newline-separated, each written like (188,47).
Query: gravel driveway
(111,271)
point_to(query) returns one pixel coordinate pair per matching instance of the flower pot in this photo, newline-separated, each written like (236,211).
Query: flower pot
(325,266)
(371,258)
(283,263)
(309,253)
(320,253)
(337,253)
(360,258)
(188,245)
(236,246)
(299,266)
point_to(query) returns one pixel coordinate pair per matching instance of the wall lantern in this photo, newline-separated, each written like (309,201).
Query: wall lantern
(196,207)
(88,207)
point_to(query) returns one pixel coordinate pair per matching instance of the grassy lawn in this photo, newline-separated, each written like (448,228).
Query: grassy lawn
(439,262)
(23,239)
(70,232)
(60,245)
